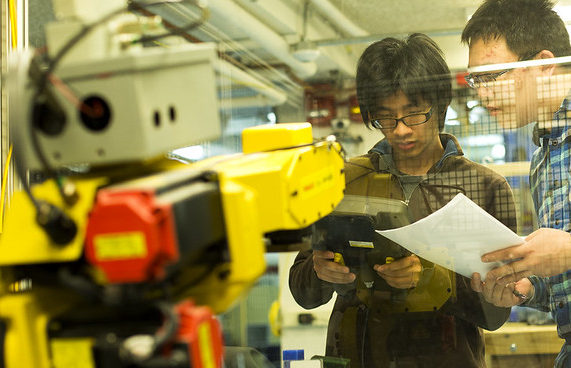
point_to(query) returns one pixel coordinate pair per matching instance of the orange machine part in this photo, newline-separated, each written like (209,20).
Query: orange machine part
(201,332)
(117,218)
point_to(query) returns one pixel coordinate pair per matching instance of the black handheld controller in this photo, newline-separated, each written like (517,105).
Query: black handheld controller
(350,234)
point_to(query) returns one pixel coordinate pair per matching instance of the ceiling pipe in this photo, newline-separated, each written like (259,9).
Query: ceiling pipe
(273,43)
(284,20)
(355,40)
(338,19)
(245,102)
(268,95)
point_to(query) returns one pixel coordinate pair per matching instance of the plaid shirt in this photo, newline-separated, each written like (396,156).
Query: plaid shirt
(550,180)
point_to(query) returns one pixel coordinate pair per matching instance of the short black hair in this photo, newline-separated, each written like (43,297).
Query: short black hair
(528,26)
(415,66)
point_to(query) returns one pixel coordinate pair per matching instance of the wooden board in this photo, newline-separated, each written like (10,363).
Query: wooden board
(516,338)
(517,343)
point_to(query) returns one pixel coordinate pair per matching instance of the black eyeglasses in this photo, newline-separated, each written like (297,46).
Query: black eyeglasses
(409,120)
(483,79)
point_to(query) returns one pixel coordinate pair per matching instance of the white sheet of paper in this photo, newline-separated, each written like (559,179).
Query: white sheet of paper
(456,236)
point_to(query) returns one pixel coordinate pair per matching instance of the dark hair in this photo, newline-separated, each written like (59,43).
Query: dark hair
(527,25)
(415,66)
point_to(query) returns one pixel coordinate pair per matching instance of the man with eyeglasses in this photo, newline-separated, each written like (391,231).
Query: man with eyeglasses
(505,31)
(404,89)
(487,79)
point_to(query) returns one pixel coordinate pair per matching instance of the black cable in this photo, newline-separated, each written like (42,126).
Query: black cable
(42,87)
(81,285)
(292,147)
(43,82)
(315,143)
(231,157)
(164,334)
(21,172)
(364,336)
(362,166)
(170,327)
(371,171)
(51,218)
(53,63)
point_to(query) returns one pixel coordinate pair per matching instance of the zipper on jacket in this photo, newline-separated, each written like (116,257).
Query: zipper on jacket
(394,169)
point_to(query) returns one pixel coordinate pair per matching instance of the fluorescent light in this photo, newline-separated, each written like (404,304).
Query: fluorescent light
(451,113)
(482,140)
(498,151)
(192,153)
(272,117)
(472,103)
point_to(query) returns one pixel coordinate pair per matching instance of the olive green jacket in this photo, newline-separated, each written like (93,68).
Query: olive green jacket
(374,327)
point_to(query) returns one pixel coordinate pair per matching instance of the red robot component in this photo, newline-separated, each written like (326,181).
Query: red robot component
(200,331)
(131,236)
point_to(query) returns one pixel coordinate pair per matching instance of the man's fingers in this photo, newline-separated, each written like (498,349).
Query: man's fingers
(399,272)
(533,235)
(325,254)
(403,274)
(330,265)
(402,282)
(499,295)
(337,278)
(497,273)
(510,272)
(476,282)
(399,265)
(503,254)
(495,294)
(513,278)
(330,271)
(505,298)
(331,275)
(507,279)
(488,289)
(408,276)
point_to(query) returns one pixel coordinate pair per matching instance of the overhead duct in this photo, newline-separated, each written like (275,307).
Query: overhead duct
(267,95)
(269,40)
(338,19)
(284,20)
(246,102)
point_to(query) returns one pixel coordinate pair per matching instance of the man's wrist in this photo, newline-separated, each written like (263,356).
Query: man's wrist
(530,295)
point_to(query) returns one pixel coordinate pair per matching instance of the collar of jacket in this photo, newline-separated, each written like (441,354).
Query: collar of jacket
(385,151)
(560,126)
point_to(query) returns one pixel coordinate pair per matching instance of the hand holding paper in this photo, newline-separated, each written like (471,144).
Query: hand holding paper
(499,295)
(546,252)
(456,236)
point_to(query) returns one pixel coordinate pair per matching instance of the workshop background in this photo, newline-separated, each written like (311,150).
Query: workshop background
(295,60)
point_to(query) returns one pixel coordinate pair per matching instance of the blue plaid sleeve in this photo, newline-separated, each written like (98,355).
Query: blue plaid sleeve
(540,298)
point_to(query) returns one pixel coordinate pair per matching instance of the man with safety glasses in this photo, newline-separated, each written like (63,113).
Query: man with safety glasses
(507,31)
(404,89)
